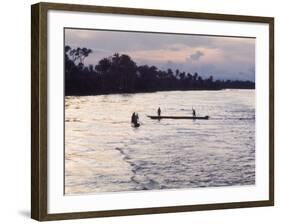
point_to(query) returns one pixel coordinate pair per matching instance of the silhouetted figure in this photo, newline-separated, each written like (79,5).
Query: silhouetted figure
(133,118)
(159,112)
(193,112)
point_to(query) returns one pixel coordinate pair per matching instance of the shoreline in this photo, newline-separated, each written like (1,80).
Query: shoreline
(153,91)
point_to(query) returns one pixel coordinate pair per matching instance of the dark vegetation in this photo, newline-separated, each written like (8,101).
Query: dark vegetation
(120,74)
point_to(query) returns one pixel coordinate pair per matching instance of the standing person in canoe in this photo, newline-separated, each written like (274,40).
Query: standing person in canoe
(193,112)
(159,112)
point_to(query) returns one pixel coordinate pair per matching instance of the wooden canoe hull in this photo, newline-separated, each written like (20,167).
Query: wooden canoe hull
(178,117)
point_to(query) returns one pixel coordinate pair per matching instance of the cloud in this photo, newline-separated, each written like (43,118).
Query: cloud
(196,56)
(127,41)
(222,57)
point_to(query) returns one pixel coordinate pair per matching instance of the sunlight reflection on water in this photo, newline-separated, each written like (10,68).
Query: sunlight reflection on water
(103,153)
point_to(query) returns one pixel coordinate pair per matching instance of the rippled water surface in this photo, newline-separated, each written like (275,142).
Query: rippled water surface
(103,153)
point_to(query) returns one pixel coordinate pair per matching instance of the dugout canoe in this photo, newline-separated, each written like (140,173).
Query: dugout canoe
(179,117)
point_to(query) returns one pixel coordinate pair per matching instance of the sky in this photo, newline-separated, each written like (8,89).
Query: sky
(222,57)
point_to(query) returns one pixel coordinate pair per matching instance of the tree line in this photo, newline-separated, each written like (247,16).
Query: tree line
(120,74)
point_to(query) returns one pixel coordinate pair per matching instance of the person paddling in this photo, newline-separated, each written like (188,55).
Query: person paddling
(133,118)
(137,118)
(159,112)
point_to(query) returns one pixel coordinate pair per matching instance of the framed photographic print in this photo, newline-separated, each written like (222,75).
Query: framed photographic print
(139,111)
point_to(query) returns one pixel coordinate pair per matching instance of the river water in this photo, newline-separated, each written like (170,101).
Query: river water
(104,153)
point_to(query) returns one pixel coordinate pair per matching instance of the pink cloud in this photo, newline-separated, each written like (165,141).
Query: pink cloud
(182,55)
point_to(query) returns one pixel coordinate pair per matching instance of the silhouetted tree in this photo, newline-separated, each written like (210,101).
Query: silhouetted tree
(103,66)
(120,74)
(182,75)
(79,54)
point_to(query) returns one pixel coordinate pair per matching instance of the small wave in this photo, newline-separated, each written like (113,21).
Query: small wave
(144,183)
(120,150)
(247,118)
(232,118)
(73,120)
(119,122)
(152,184)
